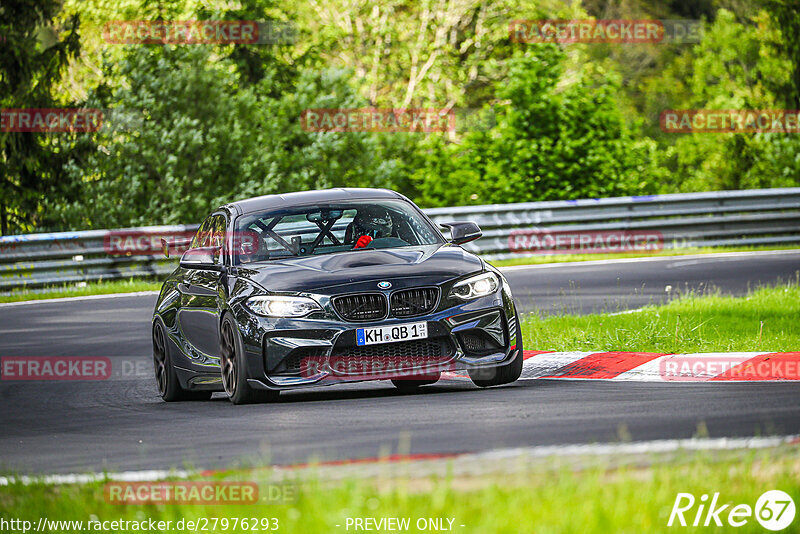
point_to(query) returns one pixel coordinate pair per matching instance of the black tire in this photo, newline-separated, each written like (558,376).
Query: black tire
(410,384)
(504,374)
(234,370)
(169,387)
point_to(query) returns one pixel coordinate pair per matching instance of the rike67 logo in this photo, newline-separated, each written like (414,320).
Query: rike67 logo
(774,510)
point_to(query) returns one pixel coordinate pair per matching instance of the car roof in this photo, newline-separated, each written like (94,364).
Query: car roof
(300,198)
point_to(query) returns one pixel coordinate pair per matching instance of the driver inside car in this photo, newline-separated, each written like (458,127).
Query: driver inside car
(370,223)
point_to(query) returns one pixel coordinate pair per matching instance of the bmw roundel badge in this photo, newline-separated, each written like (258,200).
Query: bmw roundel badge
(384,285)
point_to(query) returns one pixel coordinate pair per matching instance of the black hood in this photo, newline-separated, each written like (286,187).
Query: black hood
(431,264)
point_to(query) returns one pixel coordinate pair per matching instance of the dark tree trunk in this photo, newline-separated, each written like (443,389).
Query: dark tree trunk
(3,220)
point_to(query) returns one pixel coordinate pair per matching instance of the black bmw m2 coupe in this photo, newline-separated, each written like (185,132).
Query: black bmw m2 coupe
(323,287)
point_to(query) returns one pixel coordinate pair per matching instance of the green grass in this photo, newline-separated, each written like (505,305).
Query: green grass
(81,290)
(764,320)
(559,258)
(552,496)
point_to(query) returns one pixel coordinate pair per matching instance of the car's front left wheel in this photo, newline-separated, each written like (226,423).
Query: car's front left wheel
(234,369)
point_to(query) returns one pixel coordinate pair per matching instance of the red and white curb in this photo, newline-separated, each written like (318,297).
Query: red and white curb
(662,367)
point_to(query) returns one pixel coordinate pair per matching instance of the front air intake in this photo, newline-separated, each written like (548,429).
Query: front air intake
(388,358)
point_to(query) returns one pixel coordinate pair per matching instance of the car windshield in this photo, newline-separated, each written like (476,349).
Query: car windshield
(331,228)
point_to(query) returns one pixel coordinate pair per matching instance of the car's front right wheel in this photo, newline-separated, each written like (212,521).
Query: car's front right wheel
(234,370)
(503,374)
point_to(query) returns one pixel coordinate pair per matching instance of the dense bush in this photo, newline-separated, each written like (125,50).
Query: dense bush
(553,140)
(178,141)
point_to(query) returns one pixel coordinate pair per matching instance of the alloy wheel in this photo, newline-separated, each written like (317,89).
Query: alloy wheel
(227,359)
(160,359)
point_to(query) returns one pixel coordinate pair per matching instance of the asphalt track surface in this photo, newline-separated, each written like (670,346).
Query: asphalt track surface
(121,424)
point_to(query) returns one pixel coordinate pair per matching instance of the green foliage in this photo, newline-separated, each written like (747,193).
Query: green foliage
(191,127)
(182,138)
(254,63)
(786,16)
(175,136)
(423,53)
(555,139)
(734,67)
(31,63)
(299,159)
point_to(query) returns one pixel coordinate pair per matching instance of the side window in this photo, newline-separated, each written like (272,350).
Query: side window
(201,238)
(217,231)
(218,236)
(211,233)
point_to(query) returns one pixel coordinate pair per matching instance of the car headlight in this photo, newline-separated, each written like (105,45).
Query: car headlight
(475,286)
(282,306)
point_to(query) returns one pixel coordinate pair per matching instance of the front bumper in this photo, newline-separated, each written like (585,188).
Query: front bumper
(294,353)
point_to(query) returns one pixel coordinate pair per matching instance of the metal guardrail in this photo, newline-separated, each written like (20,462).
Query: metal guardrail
(724,218)
(721,218)
(38,260)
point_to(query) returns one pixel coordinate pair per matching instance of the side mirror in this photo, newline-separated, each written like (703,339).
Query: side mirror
(174,246)
(201,258)
(463,232)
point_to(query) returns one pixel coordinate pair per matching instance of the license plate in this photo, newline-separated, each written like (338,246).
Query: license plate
(391,334)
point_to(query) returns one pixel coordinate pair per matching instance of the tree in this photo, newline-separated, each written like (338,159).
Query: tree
(734,67)
(31,63)
(177,135)
(278,59)
(554,140)
(423,53)
(786,16)
(184,136)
